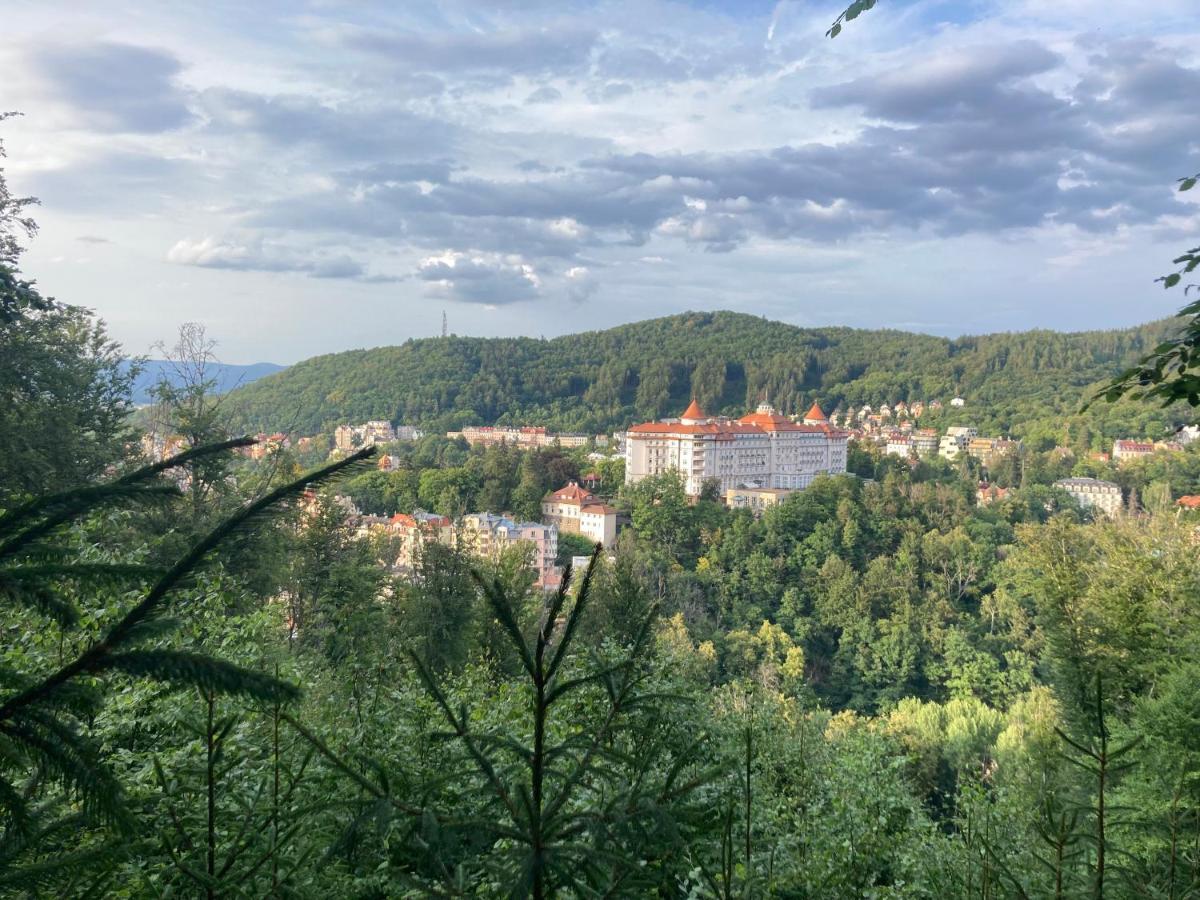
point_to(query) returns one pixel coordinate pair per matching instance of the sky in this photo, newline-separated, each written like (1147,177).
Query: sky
(304,178)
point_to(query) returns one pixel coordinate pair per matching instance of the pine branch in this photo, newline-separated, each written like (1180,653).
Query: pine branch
(92,658)
(187,456)
(180,667)
(72,506)
(576,614)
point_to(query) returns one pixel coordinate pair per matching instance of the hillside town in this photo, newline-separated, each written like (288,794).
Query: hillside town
(753,462)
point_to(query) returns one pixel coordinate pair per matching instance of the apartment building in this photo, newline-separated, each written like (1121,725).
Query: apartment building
(1093,493)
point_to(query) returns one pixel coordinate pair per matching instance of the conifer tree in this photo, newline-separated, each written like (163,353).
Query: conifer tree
(52,771)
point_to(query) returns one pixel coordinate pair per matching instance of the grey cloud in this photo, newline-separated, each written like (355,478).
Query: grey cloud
(433,170)
(533,165)
(614,90)
(115,87)
(130,181)
(469,278)
(560,48)
(622,61)
(92,239)
(948,86)
(544,94)
(349,132)
(962,144)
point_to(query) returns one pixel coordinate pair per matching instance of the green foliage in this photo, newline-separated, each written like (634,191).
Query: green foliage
(65,391)
(1171,371)
(1012,381)
(49,757)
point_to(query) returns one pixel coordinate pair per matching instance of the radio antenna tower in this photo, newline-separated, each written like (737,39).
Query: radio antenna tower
(445,328)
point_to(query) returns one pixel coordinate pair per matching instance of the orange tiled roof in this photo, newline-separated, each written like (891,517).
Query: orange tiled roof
(770,421)
(693,411)
(572,492)
(1189,501)
(599,509)
(815,412)
(730,430)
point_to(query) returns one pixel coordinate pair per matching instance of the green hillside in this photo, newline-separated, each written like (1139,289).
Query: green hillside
(599,380)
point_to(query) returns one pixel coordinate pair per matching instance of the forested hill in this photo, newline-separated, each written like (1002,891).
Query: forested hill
(595,381)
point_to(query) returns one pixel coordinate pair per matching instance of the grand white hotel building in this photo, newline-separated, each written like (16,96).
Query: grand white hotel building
(764,449)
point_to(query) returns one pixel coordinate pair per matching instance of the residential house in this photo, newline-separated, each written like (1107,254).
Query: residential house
(488,535)
(899,445)
(989,450)
(1124,450)
(925,441)
(987,494)
(578,511)
(757,500)
(955,440)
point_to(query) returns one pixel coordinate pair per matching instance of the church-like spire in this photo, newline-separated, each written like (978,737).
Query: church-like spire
(693,412)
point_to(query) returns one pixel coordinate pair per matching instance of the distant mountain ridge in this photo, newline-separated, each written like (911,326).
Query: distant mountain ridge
(599,380)
(227,377)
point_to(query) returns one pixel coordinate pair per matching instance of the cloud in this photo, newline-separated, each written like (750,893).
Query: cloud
(645,152)
(951,85)
(112,184)
(560,47)
(958,143)
(113,86)
(364,132)
(544,94)
(92,239)
(486,279)
(257,256)
(581,284)
(613,90)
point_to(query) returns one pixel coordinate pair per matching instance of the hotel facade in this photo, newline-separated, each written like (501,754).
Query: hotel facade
(761,450)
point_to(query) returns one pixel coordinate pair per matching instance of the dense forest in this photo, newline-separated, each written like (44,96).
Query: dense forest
(596,381)
(213,683)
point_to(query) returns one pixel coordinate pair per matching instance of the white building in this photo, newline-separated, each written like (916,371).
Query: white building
(1092,492)
(955,440)
(763,449)
(579,511)
(352,437)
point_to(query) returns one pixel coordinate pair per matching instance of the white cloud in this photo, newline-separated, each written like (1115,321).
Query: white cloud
(255,255)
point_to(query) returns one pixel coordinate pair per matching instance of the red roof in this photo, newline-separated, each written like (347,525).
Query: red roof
(599,509)
(693,411)
(729,430)
(716,428)
(770,421)
(815,412)
(572,493)
(1190,501)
